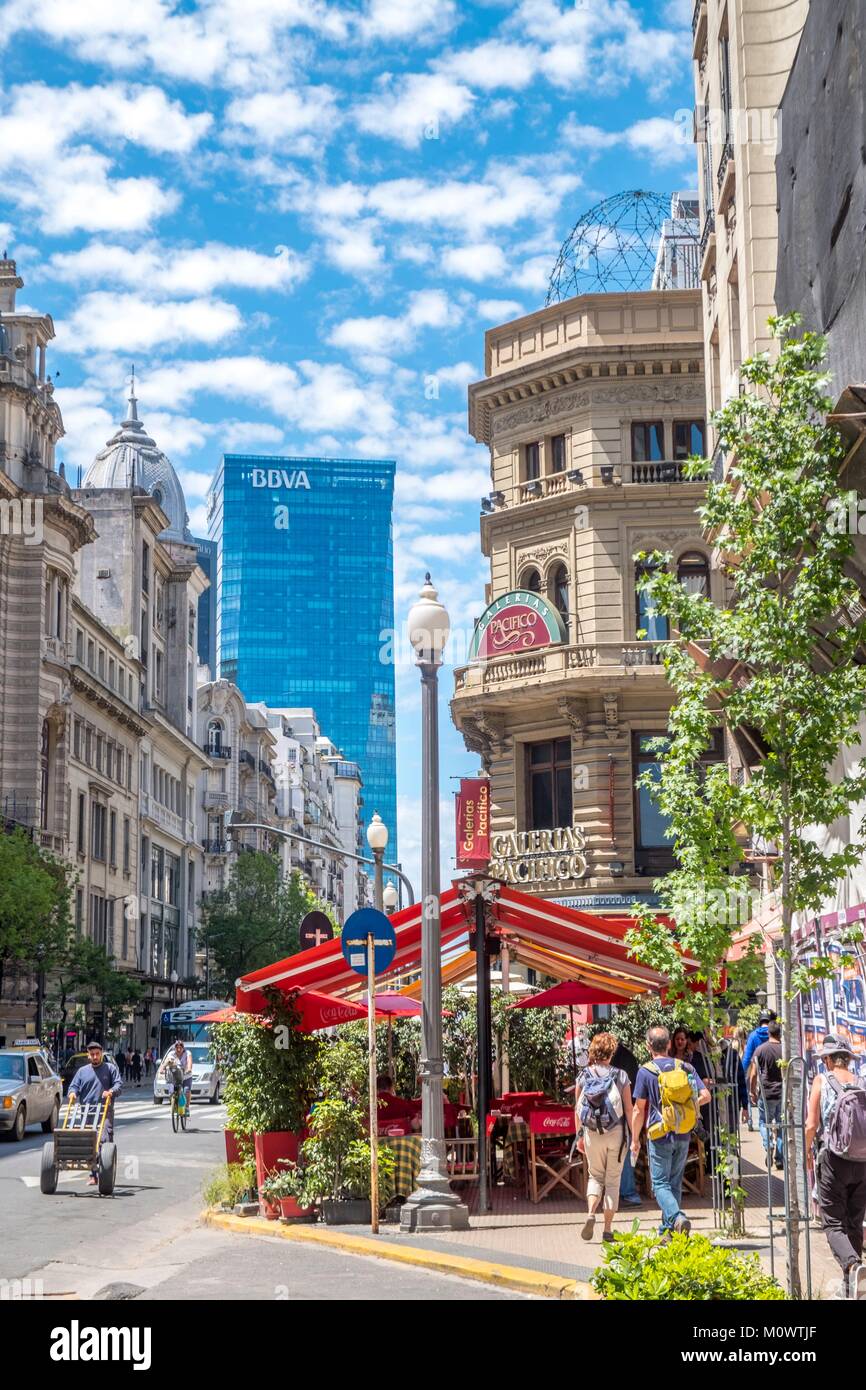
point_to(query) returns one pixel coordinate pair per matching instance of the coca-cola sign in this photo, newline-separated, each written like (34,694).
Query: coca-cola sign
(517,622)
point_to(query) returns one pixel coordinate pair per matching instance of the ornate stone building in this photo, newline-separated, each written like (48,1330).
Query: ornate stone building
(589,408)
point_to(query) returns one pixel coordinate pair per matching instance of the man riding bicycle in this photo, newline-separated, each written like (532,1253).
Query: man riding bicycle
(177,1069)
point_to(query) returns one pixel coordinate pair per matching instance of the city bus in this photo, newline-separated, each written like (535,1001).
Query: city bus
(181,1022)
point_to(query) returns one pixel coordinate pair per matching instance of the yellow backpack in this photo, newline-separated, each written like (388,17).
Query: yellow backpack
(677,1102)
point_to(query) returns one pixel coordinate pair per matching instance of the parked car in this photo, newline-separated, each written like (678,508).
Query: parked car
(206,1077)
(30,1092)
(71,1065)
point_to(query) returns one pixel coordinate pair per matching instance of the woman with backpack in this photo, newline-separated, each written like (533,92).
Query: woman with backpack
(837,1108)
(602,1104)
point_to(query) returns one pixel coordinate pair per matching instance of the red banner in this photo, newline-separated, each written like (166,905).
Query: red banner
(473,823)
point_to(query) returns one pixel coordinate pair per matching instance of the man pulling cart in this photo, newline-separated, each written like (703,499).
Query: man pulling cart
(87,1134)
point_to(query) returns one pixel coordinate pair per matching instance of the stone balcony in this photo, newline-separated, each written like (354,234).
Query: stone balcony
(605,661)
(592,482)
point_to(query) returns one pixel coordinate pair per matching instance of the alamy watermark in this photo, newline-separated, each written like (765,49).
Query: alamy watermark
(21,517)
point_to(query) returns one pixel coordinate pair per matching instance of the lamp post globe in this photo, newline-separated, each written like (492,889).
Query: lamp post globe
(429,626)
(432,1206)
(377,839)
(390,897)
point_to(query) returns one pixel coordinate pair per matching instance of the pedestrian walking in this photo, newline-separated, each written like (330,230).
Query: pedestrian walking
(136,1067)
(757,1036)
(765,1090)
(837,1113)
(668,1095)
(603,1107)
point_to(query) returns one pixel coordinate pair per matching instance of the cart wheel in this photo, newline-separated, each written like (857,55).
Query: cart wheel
(106,1169)
(48,1169)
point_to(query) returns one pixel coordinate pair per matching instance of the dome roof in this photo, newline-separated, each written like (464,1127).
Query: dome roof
(132,459)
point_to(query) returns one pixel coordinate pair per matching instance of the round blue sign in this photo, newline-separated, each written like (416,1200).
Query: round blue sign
(363,924)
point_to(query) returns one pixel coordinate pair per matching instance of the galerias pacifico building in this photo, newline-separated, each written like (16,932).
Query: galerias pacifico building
(589,408)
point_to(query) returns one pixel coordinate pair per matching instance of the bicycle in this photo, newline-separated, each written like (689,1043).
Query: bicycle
(179,1103)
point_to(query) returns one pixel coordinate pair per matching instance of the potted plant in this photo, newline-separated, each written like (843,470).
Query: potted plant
(231,1185)
(334,1167)
(270,1081)
(284,1189)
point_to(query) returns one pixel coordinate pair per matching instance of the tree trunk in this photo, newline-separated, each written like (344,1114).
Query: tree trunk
(788,1051)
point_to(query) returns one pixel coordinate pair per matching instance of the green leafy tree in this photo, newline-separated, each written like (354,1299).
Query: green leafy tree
(255,919)
(781,667)
(271,1069)
(631,1022)
(35,892)
(537,1056)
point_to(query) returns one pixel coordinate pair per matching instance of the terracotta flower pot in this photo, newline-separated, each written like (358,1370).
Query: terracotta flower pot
(275,1151)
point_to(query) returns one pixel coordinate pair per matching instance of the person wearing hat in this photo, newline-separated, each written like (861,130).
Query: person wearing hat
(90,1085)
(841,1181)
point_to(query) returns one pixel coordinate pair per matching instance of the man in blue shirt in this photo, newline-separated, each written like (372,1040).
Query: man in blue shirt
(755,1039)
(668,1153)
(90,1085)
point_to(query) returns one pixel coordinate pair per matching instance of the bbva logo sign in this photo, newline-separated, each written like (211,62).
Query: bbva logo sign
(280,477)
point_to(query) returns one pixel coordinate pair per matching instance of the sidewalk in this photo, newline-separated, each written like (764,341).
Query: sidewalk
(538,1248)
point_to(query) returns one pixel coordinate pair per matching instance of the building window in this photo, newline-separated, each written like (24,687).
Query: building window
(531,580)
(693,572)
(82,822)
(45,774)
(688,438)
(100,664)
(112,839)
(559,591)
(79,645)
(647,441)
(531,462)
(145,567)
(76,739)
(111,669)
(97,831)
(190,631)
(548,769)
(557,454)
(725,81)
(214,736)
(91,653)
(651,624)
(79,910)
(651,826)
(127,842)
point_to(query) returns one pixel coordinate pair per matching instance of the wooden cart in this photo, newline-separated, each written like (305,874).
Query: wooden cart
(77,1143)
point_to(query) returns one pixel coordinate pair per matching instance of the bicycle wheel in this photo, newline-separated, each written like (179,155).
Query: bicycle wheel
(174,1114)
(184,1114)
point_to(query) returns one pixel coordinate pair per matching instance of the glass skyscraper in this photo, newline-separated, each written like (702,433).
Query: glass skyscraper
(305,600)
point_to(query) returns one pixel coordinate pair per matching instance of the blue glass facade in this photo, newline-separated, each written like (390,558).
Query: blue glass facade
(305,591)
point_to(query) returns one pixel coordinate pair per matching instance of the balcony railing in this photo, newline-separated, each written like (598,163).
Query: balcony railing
(727,156)
(664,471)
(709,228)
(556,664)
(216,799)
(214,846)
(222,751)
(247,759)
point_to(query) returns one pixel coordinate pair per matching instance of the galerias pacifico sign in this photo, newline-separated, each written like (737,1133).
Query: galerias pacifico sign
(473,823)
(516,622)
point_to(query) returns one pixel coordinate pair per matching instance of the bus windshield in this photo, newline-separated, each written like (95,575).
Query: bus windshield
(182,1023)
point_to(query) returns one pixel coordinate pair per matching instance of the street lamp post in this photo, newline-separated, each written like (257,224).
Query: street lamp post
(433,1205)
(377,839)
(390,898)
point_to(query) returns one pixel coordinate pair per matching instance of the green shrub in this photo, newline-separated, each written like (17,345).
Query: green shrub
(229,1184)
(688,1268)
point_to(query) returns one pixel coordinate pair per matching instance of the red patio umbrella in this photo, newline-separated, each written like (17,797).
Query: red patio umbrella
(396,1004)
(569,993)
(219,1015)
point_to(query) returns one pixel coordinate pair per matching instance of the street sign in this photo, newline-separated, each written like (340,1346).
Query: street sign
(366,922)
(315,928)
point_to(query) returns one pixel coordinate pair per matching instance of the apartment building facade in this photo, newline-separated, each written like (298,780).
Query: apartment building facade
(743,51)
(589,408)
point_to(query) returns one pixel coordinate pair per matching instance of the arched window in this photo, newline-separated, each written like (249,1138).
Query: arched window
(650,622)
(214,736)
(559,591)
(45,765)
(531,580)
(693,572)
(157,496)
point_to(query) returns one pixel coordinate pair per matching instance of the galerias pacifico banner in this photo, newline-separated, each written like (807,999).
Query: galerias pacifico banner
(473,823)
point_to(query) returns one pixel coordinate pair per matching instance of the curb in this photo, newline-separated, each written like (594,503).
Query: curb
(530,1281)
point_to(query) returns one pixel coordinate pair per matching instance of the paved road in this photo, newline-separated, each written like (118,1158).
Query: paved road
(76,1243)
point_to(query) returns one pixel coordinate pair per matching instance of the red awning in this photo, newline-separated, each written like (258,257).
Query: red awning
(324,1011)
(571,992)
(594,942)
(219,1015)
(397,1004)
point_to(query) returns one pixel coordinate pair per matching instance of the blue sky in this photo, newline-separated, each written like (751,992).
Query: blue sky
(297,218)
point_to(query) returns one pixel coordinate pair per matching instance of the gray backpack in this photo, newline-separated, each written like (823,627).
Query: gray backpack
(845,1131)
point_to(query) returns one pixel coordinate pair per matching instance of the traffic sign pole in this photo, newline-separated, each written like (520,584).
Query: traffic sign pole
(374,1095)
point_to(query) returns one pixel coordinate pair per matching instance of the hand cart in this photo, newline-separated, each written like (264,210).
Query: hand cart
(77,1143)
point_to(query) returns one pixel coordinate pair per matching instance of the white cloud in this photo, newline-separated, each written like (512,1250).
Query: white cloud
(496,311)
(271,118)
(386,335)
(661,139)
(458,375)
(493,64)
(108,322)
(353,247)
(480,260)
(180,270)
(388,20)
(506,196)
(413,107)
